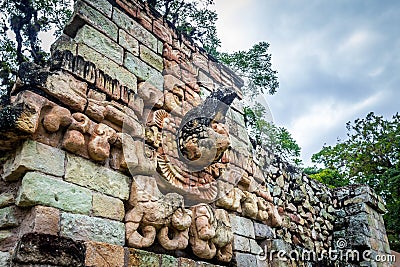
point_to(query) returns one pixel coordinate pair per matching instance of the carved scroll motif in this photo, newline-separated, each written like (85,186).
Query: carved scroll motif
(155,215)
(211,234)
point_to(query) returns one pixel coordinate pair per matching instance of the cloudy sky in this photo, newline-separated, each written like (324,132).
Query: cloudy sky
(337,60)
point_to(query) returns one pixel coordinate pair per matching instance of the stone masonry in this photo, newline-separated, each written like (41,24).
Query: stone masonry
(130,149)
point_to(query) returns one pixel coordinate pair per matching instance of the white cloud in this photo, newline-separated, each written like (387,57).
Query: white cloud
(321,119)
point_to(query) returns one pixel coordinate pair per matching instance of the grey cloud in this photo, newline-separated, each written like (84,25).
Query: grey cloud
(341,52)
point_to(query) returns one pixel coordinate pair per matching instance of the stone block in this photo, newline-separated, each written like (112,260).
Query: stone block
(63,43)
(263,231)
(34,156)
(143,258)
(103,254)
(109,67)
(243,259)
(151,58)
(88,174)
(40,189)
(135,29)
(205,264)
(161,31)
(6,199)
(67,89)
(82,227)
(240,146)
(169,261)
(8,217)
(143,71)
(242,226)
(184,262)
(237,117)
(160,47)
(48,250)
(43,220)
(103,6)
(5,259)
(241,243)
(128,42)
(280,245)
(8,239)
(100,43)
(255,247)
(93,17)
(107,207)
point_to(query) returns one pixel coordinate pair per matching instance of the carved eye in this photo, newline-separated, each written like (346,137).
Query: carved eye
(177,98)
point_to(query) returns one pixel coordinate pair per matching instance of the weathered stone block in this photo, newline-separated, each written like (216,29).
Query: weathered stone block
(34,156)
(67,89)
(240,146)
(243,259)
(161,31)
(5,259)
(143,71)
(88,174)
(263,231)
(45,190)
(151,58)
(108,207)
(280,245)
(8,217)
(242,226)
(169,261)
(64,42)
(48,250)
(100,43)
(43,220)
(93,17)
(184,262)
(103,254)
(143,258)
(6,199)
(135,29)
(255,248)
(103,6)
(82,227)
(241,243)
(109,67)
(128,42)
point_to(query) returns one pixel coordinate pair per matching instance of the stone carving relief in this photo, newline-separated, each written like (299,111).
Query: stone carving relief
(155,215)
(210,233)
(186,142)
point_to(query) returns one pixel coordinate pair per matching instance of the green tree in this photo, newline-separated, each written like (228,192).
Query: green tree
(255,67)
(330,177)
(267,135)
(370,155)
(25,19)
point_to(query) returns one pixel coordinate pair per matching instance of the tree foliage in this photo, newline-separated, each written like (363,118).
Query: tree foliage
(255,67)
(267,135)
(192,18)
(21,21)
(330,177)
(370,155)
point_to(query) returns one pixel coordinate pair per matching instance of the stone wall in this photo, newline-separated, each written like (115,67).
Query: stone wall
(130,149)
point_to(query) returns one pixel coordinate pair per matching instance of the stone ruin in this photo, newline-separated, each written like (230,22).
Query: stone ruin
(130,149)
